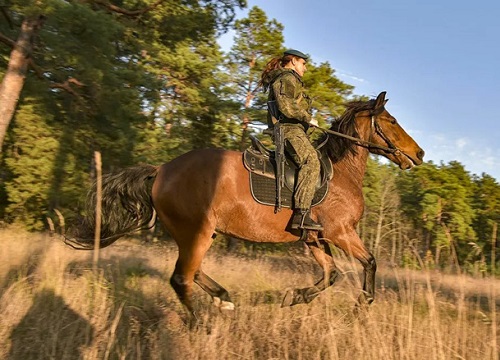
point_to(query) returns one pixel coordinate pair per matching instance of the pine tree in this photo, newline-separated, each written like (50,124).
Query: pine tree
(440,203)
(486,200)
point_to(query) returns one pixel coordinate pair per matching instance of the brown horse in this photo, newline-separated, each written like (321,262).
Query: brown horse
(207,191)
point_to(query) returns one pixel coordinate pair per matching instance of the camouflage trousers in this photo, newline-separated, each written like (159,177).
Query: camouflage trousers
(300,149)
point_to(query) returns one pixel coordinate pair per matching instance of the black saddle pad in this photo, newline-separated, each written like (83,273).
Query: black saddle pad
(264,191)
(260,162)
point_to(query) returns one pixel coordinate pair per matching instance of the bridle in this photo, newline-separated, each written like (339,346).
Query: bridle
(374,128)
(391,148)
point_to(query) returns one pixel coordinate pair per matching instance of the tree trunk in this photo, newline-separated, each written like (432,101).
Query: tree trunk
(382,210)
(246,122)
(394,237)
(13,81)
(493,248)
(453,250)
(248,100)
(244,132)
(378,233)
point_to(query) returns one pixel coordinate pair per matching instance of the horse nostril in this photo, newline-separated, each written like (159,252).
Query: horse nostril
(420,154)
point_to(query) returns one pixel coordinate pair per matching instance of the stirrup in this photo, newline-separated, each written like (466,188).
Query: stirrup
(313,226)
(305,223)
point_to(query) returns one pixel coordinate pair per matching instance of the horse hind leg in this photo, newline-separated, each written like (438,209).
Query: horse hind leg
(192,250)
(182,285)
(191,253)
(219,295)
(323,255)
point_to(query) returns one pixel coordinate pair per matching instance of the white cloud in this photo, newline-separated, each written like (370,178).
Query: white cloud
(442,148)
(343,74)
(461,143)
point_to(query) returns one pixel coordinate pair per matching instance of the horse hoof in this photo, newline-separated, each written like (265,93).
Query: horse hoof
(223,305)
(226,305)
(365,299)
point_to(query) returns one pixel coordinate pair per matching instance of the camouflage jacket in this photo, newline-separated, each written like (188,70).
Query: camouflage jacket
(286,88)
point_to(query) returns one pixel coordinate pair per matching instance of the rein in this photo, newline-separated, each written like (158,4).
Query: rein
(364,143)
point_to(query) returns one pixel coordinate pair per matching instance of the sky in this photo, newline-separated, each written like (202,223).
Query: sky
(438,60)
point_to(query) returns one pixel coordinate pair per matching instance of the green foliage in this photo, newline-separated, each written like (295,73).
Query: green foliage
(442,206)
(486,201)
(31,164)
(327,91)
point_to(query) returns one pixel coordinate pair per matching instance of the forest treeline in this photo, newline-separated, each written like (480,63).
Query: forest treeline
(144,81)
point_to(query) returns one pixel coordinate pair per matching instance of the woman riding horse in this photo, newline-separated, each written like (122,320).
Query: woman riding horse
(204,191)
(289,112)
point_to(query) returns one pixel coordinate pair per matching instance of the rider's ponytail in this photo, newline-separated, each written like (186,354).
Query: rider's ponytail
(273,64)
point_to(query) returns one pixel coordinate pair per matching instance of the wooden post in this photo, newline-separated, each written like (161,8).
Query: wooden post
(61,221)
(97,236)
(51,226)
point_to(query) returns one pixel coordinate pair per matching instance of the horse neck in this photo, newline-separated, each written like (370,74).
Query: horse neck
(354,165)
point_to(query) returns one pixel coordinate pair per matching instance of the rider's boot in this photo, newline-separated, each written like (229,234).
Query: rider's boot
(302,220)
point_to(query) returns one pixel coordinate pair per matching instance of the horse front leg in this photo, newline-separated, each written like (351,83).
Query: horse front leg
(353,246)
(323,255)
(369,270)
(346,239)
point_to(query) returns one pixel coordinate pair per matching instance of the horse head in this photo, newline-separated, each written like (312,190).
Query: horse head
(389,139)
(368,124)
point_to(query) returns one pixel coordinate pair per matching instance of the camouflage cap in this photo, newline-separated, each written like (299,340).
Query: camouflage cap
(296,53)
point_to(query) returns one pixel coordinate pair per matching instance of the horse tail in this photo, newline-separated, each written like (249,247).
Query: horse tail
(126,206)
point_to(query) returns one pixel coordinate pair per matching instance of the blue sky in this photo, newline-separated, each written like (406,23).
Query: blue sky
(438,60)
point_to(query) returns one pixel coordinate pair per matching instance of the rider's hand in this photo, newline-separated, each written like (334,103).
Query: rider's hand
(313,122)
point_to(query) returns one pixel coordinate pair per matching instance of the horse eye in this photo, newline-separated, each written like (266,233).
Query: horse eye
(393,121)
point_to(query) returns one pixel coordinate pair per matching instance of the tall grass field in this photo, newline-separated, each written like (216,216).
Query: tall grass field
(54,306)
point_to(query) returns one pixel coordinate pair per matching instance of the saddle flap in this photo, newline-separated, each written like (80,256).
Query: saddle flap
(263,182)
(260,162)
(264,165)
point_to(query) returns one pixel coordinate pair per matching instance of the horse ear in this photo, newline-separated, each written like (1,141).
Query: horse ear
(381,101)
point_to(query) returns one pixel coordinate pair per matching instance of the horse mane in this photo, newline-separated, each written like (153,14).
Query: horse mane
(338,147)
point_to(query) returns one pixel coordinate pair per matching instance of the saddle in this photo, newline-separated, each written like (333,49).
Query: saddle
(260,162)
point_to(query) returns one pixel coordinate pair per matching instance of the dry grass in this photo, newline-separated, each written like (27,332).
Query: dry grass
(52,306)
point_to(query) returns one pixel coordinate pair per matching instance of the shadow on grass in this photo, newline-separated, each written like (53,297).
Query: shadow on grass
(24,271)
(50,330)
(149,318)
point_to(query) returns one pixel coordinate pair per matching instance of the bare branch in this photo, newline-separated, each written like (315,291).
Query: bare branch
(38,71)
(4,39)
(66,86)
